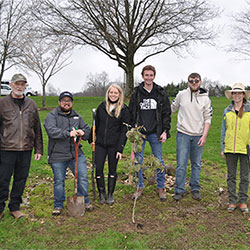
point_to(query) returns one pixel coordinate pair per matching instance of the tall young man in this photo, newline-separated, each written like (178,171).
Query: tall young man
(150,107)
(194,118)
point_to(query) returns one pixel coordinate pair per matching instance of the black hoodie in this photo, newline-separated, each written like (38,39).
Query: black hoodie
(151,110)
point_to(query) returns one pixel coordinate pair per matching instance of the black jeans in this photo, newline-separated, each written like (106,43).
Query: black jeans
(18,164)
(232,160)
(100,157)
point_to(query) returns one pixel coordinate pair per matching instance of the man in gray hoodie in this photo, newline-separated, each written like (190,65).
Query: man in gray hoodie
(194,118)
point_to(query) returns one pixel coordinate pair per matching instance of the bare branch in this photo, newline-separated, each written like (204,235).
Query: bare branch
(120,28)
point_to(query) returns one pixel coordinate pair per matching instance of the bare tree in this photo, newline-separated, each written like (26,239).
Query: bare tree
(241,33)
(52,90)
(96,84)
(122,29)
(14,20)
(209,84)
(44,56)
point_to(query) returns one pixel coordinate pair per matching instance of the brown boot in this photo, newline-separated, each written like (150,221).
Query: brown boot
(137,194)
(89,207)
(162,194)
(1,215)
(17,214)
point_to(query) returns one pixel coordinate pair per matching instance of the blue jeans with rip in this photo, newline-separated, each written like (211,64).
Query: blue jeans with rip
(59,170)
(156,147)
(187,147)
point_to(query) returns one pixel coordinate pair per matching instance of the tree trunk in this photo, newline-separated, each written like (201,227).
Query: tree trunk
(2,70)
(44,101)
(129,80)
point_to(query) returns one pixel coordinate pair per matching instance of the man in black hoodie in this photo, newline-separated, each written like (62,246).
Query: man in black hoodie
(150,107)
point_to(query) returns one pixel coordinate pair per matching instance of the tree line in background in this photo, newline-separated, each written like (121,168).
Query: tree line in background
(39,36)
(98,83)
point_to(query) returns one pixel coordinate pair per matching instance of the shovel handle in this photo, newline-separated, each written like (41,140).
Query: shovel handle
(93,138)
(76,160)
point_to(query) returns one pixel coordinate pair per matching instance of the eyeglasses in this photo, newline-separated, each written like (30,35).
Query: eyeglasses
(194,81)
(66,101)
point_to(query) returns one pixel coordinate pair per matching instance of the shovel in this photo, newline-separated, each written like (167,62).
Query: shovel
(93,154)
(76,204)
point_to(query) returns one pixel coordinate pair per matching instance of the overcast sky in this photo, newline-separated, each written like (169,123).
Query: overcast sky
(211,62)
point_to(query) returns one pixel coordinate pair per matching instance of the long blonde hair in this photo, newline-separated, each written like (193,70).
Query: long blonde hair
(119,104)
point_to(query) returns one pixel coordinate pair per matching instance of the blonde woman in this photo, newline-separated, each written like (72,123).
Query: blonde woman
(111,115)
(234,140)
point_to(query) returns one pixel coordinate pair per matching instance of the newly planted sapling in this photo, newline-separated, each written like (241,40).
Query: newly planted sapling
(150,163)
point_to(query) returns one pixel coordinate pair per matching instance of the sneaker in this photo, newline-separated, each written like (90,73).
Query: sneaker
(196,195)
(231,207)
(17,214)
(178,196)
(137,194)
(162,194)
(243,208)
(1,215)
(89,207)
(57,211)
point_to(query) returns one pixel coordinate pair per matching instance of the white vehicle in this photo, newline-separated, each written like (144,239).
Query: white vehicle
(29,91)
(5,89)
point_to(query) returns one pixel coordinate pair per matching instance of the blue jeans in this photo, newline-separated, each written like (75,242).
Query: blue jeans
(187,146)
(156,147)
(59,170)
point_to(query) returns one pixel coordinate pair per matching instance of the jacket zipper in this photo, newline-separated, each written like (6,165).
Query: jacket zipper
(235,132)
(70,144)
(105,131)
(21,128)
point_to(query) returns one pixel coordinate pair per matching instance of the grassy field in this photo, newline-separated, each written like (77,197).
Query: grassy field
(187,224)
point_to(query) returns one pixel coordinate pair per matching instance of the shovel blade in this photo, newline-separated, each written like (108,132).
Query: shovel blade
(76,206)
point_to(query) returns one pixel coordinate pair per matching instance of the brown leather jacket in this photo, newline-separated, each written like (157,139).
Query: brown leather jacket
(20,129)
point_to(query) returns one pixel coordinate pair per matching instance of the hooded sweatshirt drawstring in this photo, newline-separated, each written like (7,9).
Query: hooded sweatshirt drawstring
(195,97)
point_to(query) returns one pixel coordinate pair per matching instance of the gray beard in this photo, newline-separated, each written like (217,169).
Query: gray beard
(18,93)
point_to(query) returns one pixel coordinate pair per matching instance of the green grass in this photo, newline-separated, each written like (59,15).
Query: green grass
(185,225)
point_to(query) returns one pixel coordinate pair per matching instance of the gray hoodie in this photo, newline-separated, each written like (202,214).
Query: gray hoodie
(194,111)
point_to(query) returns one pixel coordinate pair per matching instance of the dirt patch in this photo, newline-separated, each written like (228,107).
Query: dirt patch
(168,224)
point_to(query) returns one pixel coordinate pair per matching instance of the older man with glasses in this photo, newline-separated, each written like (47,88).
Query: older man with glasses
(194,118)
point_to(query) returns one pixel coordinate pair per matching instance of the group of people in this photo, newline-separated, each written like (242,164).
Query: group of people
(150,108)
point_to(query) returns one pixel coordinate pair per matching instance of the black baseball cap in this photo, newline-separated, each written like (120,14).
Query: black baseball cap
(65,94)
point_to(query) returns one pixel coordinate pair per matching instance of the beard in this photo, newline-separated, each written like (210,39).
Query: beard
(18,93)
(66,110)
(194,89)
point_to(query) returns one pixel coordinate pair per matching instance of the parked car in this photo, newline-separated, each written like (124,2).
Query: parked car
(5,89)
(28,91)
